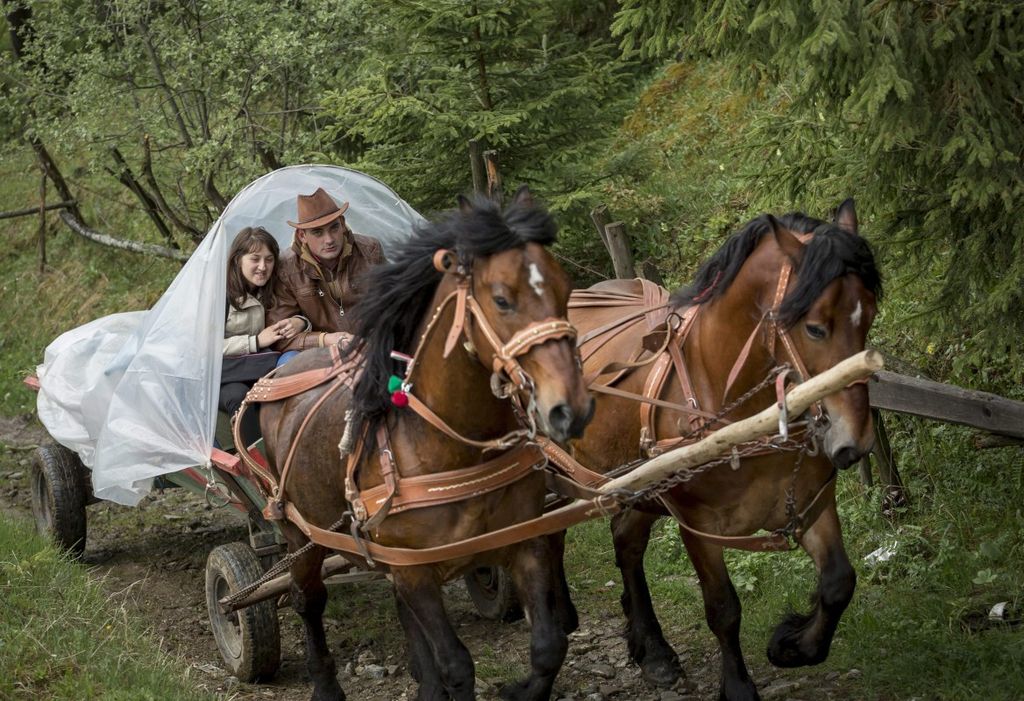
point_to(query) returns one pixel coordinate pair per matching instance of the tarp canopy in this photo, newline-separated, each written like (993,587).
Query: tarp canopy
(135,394)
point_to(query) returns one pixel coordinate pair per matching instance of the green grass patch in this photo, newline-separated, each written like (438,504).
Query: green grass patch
(61,637)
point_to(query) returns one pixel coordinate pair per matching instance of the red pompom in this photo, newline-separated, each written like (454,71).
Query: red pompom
(400,399)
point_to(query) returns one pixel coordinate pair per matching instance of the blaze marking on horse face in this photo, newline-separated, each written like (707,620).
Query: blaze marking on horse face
(855,317)
(536,280)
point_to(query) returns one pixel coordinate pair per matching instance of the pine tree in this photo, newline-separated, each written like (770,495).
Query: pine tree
(534,80)
(913,107)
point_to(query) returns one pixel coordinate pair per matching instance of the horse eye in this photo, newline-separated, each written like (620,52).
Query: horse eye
(502,304)
(815,331)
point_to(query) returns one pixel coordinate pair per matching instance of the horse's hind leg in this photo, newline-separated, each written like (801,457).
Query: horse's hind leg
(309,598)
(723,613)
(533,574)
(805,639)
(438,655)
(631,532)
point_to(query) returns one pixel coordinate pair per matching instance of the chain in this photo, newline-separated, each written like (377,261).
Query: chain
(808,444)
(279,566)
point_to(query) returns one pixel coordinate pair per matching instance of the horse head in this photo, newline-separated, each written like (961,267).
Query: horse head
(825,316)
(519,329)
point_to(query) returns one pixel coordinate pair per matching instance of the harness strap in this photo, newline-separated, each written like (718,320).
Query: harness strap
(427,414)
(774,541)
(406,493)
(551,522)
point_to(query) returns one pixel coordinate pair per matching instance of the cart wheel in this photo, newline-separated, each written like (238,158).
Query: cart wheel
(248,639)
(59,496)
(492,593)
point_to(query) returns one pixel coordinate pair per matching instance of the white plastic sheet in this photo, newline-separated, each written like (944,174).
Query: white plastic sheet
(135,394)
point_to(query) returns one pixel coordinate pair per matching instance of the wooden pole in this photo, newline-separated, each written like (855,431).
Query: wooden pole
(493,177)
(766,422)
(599,215)
(42,220)
(476,164)
(618,246)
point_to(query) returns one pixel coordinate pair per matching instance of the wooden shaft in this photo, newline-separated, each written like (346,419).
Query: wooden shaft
(718,443)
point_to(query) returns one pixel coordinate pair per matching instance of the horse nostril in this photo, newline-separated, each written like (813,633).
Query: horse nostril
(844,457)
(560,419)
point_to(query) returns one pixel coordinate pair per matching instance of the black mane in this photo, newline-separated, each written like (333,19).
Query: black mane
(397,295)
(830,254)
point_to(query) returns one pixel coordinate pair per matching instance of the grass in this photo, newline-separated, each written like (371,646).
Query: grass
(62,638)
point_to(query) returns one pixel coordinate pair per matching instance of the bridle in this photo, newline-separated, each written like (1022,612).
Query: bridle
(508,377)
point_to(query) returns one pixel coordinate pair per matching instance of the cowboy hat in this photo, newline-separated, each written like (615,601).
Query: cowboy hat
(316,210)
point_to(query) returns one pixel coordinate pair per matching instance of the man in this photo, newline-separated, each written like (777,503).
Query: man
(318,276)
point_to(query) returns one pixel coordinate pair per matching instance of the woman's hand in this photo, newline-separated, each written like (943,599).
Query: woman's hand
(279,331)
(295,325)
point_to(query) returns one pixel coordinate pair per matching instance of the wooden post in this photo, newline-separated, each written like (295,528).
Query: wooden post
(476,164)
(599,215)
(618,246)
(493,176)
(42,220)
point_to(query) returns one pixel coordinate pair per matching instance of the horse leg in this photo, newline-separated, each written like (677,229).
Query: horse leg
(309,598)
(631,532)
(532,573)
(805,639)
(723,613)
(568,617)
(438,656)
(421,657)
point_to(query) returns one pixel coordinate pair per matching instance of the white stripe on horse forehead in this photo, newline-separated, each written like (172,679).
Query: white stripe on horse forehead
(536,280)
(857,313)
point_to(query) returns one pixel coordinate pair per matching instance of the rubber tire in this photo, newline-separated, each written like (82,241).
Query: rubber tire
(493,594)
(59,495)
(249,640)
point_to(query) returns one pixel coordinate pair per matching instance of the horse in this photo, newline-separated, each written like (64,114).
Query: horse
(464,364)
(743,315)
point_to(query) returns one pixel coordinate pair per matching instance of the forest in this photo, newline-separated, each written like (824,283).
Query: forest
(136,122)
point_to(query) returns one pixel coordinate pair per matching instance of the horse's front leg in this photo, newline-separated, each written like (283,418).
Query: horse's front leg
(565,609)
(631,533)
(309,598)
(723,613)
(534,574)
(442,663)
(805,639)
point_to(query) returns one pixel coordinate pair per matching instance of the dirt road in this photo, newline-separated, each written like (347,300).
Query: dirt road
(152,557)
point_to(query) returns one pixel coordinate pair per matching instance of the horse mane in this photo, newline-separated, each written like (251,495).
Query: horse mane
(397,295)
(831,253)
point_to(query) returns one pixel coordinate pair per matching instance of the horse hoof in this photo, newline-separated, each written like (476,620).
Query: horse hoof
(788,653)
(662,673)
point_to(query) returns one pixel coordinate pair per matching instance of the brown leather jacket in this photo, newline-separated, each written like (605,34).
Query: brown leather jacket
(302,290)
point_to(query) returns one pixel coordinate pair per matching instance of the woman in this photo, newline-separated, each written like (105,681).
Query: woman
(251,275)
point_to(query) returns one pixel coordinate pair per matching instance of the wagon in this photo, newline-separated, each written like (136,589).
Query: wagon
(75,379)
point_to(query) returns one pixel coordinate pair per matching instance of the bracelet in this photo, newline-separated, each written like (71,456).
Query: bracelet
(320,341)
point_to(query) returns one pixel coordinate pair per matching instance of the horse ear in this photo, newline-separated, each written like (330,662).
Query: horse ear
(465,206)
(523,197)
(787,240)
(846,217)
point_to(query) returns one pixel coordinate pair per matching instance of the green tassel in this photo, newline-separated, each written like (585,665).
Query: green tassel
(394,384)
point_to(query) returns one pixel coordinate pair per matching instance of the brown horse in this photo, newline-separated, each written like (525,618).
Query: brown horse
(514,284)
(745,324)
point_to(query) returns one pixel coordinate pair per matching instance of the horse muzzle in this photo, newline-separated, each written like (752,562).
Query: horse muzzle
(564,422)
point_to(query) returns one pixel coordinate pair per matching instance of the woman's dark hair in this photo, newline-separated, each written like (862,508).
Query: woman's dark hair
(248,241)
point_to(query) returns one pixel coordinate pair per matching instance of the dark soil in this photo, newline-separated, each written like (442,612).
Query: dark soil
(152,557)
